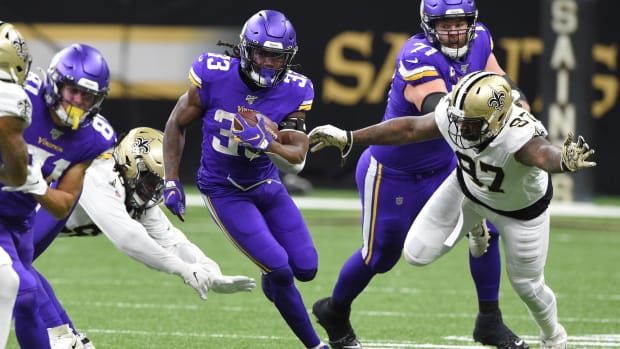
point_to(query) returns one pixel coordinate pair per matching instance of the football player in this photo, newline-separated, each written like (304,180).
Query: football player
(238,177)
(394,182)
(503,174)
(129,186)
(15,116)
(66,135)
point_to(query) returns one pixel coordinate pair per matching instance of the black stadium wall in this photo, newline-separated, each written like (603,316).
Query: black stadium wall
(562,53)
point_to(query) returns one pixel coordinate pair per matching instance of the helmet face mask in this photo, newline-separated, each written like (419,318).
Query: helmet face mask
(80,69)
(268,43)
(478,110)
(433,10)
(139,160)
(15,56)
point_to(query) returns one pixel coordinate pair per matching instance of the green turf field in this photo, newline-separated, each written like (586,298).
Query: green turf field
(121,304)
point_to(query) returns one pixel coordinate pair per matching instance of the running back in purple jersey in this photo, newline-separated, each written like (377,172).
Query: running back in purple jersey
(225,164)
(419,62)
(61,147)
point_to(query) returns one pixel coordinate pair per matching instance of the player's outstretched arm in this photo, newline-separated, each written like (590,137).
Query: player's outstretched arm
(572,156)
(400,130)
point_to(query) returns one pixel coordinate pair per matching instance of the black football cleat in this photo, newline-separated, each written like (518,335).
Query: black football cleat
(491,330)
(336,324)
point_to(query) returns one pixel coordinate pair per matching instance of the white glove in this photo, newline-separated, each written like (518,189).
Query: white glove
(574,155)
(35,183)
(331,136)
(232,284)
(198,277)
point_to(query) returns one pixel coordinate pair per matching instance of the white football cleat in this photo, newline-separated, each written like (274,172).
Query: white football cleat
(62,337)
(557,341)
(479,239)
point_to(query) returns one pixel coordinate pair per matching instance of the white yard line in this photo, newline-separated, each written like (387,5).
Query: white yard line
(456,342)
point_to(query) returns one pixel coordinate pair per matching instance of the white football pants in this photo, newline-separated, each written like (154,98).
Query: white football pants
(449,215)
(9,285)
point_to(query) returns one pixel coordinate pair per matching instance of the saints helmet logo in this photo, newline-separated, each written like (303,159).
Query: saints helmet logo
(497,100)
(141,146)
(21,47)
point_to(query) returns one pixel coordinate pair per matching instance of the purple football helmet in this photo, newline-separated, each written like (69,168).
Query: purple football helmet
(432,10)
(82,67)
(268,33)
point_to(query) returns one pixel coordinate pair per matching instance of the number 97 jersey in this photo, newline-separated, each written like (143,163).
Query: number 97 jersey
(491,175)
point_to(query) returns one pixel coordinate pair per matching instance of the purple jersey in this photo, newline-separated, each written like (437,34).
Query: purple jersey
(418,62)
(225,164)
(61,148)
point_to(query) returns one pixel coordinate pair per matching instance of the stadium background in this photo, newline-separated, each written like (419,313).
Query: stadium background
(562,53)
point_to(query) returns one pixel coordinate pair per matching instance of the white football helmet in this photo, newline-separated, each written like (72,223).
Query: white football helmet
(478,109)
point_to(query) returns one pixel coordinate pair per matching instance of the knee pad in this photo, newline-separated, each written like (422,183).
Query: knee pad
(305,275)
(280,277)
(26,303)
(418,254)
(384,260)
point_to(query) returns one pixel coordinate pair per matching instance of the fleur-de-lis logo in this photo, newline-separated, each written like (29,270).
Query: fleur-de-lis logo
(21,47)
(497,100)
(24,108)
(141,146)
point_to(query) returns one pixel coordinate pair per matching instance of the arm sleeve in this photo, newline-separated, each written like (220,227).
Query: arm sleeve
(173,240)
(430,102)
(108,212)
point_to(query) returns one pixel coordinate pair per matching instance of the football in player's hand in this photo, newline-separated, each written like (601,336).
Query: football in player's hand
(250,118)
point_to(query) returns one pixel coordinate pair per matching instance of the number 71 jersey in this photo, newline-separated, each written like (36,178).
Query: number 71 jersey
(58,147)
(492,175)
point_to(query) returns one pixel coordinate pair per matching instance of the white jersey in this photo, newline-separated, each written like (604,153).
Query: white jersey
(15,102)
(150,238)
(493,176)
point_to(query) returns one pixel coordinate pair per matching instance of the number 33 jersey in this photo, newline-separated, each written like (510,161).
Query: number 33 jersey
(492,175)
(226,164)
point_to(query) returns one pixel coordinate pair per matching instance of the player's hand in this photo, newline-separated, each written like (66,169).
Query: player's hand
(232,284)
(35,183)
(198,277)
(255,136)
(331,136)
(574,155)
(174,198)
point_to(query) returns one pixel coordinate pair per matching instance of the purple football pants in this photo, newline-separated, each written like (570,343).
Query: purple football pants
(266,226)
(391,200)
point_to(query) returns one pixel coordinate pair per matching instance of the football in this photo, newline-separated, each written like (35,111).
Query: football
(250,118)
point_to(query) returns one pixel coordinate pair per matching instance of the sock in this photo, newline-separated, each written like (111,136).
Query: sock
(289,303)
(353,279)
(486,271)
(29,329)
